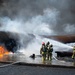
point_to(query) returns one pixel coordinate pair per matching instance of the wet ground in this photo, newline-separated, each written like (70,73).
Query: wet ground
(23,69)
(19,57)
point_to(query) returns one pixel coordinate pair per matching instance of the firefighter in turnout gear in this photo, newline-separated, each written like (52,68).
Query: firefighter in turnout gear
(47,47)
(50,50)
(43,51)
(47,44)
(73,52)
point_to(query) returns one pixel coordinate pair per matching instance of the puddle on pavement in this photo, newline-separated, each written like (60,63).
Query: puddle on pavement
(38,60)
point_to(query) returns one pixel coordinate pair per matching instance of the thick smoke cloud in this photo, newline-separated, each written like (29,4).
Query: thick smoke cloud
(37,17)
(60,22)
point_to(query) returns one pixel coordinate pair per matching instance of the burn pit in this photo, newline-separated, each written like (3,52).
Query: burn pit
(3,51)
(8,42)
(14,41)
(11,45)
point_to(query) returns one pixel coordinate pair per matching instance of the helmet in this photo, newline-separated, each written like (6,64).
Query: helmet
(48,43)
(51,45)
(43,43)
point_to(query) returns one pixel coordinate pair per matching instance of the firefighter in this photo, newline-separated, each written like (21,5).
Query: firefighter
(43,51)
(47,47)
(73,52)
(50,50)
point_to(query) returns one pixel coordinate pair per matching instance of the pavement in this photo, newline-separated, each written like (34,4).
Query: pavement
(20,59)
(35,70)
(19,64)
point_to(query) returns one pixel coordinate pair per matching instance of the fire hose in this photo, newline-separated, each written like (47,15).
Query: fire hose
(58,60)
(9,64)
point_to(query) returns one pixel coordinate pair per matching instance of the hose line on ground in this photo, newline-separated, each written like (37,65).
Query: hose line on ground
(9,64)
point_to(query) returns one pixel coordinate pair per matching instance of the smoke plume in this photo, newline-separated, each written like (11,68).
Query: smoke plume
(56,15)
(37,17)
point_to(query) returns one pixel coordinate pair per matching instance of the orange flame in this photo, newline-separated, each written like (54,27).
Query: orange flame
(3,51)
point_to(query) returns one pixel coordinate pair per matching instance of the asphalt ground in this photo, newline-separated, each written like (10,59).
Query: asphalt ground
(29,66)
(35,70)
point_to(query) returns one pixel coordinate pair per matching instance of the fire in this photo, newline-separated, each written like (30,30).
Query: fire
(3,51)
